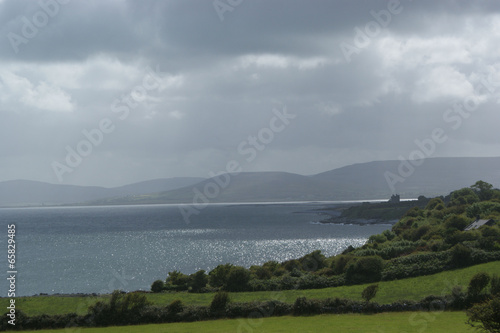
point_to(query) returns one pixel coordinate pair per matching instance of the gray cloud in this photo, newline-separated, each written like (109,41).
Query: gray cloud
(218,82)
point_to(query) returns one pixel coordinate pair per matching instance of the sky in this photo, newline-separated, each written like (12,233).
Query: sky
(113,92)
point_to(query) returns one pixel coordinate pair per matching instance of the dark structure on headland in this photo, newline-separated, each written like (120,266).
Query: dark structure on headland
(395,198)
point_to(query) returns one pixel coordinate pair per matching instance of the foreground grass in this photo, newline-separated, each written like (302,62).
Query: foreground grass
(432,322)
(389,291)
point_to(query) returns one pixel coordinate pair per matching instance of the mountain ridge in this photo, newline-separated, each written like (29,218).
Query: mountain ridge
(361,181)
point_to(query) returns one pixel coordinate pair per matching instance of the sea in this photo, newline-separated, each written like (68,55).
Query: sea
(71,250)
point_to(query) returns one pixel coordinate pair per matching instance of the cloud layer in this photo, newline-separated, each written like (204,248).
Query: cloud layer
(183,83)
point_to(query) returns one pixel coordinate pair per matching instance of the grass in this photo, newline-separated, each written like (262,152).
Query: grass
(389,291)
(432,322)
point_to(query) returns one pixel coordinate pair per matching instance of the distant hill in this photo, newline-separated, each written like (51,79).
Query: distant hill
(28,193)
(245,187)
(435,176)
(364,181)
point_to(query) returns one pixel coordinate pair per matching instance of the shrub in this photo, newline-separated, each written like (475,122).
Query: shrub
(198,281)
(263,273)
(369,292)
(218,276)
(237,279)
(485,316)
(291,265)
(459,298)
(380,238)
(176,306)
(340,263)
(495,285)
(477,284)
(389,235)
(414,212)
(157,286)
(313,261)
(435,203)
(303,306)
(464,196)
(457,222)
(122,309)
(177,281)
(365,269)
(461,256)
(219,302)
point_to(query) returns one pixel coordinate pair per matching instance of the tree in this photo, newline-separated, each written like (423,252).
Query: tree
(177,281)
(313,261)
(486,316)
(464,196)
(369,292)
(157,286)
(198,281)
(237,279)
(218,276)
(483,190)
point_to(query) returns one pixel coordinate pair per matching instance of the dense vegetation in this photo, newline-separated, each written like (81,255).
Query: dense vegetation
(425,241)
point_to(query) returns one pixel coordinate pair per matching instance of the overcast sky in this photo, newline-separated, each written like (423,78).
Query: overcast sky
(180,88)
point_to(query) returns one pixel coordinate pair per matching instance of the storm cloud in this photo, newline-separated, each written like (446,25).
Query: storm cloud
(113,92)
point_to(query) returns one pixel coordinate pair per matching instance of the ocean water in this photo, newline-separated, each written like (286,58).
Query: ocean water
(100,249)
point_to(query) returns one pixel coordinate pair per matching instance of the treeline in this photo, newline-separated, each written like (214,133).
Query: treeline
(134,308)
(425,241)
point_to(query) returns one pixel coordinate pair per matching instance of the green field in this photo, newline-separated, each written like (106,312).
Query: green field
(432,322)
(389,291)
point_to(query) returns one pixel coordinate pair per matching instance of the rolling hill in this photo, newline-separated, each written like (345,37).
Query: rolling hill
(33,193)
(364,181)
(436,176)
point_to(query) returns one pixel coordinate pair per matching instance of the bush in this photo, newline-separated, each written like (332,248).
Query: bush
(461,256)
(435,203)
(176,306)
(485,316)
(237,279)
(218,276)
(313,261)
(157,286)
(177,281)
(198,281)
(369,292)
(457,222)
(477,284)
(495,285)
(219,302)
(122,309)
(415,265)
(459,298)
(365,269)
(303,306)
(340,262)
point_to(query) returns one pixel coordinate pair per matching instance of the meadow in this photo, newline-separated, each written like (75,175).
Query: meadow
(432,322)
(389,291)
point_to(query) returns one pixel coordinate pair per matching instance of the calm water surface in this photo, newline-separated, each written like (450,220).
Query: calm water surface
(100,249)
